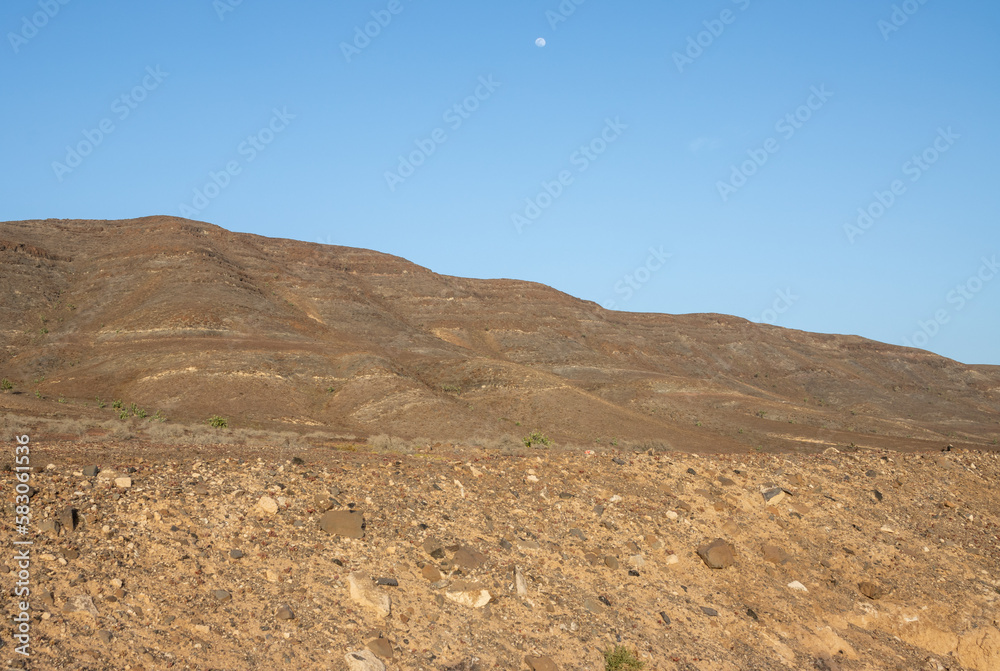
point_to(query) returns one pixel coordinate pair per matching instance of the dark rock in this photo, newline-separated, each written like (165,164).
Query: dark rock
(611,562)
(68,518)
(284,613)
(620,462)
(878,494)
(236,554)
(664,617)
(388,582)
(221,595)
(751,613)
(691,471)
(577,533)
(90,471)
(297,461)
(711,612)
(632,572)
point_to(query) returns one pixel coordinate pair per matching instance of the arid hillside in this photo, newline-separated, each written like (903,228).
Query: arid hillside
(193,321)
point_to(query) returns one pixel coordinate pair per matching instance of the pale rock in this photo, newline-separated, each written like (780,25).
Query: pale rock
(364,592)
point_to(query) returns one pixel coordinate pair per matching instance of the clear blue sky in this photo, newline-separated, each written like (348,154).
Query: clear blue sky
(310,129)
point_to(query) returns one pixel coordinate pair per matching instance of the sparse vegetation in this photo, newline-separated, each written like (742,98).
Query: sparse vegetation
(218,422)
(100,403)
(6,385)
(620,658)
(62,399)
(38,394)
(762,413)
(536,438)
(451,388)
(118,405)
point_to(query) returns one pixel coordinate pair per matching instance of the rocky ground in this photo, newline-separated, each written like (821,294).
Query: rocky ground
(462,559)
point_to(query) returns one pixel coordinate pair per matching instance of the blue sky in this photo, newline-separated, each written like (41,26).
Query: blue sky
(828,166)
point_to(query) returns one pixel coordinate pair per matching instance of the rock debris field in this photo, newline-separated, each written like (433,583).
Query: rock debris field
(461,559)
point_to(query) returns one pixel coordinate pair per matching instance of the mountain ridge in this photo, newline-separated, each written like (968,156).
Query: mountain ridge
(195,320)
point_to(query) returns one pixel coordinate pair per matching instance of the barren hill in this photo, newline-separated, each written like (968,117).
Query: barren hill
(192,320)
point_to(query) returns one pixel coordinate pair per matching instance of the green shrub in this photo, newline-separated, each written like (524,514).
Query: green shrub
(536,438)
(118,405)
(620,658)
(100,403)
(6,384)
(218,422)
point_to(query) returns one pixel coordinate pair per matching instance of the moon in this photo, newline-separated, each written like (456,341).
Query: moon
(540,42)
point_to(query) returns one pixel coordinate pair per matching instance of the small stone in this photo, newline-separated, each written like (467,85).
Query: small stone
(871,590)
(774,496)
(271,576)
(200,490)
(520,586)
(90,471)
(49,526)
(297,461)
(711,612)
(105,636)
(284,613)
(469,558)
(387,582)
(236,554)
(637,561)
(797,586)
(540,663)
(672,559)
(363,660)
(717,555)
(123,482)
(672,515)
(68,518)
(577,533)
(221,595)
(81,604)
(116,583)
(347,523)
(364,592)
(380,647)
(430,573)
(468,594)
(593,605)
(611,562)
(620,462)
(691,471)
(775,555)
(267,505)
(664,617)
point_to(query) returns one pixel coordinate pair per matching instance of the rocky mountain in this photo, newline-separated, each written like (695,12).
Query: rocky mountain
(191,320)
